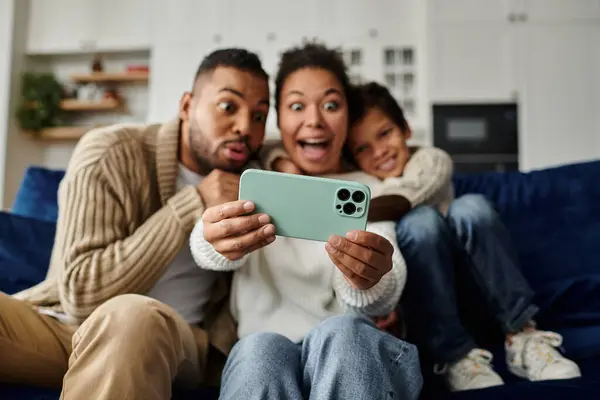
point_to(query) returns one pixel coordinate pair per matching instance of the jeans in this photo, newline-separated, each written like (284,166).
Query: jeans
(344,357)
(466,256)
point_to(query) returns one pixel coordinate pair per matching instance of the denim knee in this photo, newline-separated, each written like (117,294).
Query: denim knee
(263,346)
(423,226)
(472,209)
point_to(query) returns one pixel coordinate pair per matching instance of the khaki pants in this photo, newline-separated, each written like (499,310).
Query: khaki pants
(131,347)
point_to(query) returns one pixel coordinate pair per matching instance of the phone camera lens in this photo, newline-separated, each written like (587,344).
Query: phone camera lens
(358,197)
(349,208)
(343,194)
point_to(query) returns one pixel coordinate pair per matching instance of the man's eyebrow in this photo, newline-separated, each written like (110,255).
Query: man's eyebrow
(241,95)
(231,90)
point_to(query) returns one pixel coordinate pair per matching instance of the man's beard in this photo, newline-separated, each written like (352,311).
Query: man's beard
(200,151)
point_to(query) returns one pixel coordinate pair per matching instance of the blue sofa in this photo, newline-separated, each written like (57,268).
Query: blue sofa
(553,215)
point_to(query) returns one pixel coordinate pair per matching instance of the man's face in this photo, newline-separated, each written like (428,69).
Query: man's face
(224,119)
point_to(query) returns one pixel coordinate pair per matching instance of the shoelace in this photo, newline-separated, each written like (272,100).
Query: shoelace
(471,365)
(539,349)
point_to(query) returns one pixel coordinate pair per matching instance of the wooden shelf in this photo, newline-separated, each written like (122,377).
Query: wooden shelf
(61,133)
(111,77)
(79,105)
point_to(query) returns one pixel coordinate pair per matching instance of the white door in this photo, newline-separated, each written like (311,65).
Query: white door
(560,101)
(60,26)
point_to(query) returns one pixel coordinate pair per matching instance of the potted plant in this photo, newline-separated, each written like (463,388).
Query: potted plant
(40,104)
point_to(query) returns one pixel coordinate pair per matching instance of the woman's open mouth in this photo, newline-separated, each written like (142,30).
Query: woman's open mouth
(314,149)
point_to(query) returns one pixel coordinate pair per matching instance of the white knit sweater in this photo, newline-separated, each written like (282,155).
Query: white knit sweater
(291,285)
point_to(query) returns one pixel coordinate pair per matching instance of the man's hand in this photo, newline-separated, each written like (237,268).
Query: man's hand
(219,187)
(286,165)
(234,233)
(363,257)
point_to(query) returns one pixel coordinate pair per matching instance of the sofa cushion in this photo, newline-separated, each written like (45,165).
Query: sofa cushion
(553,216)
(37,196)
(25,248)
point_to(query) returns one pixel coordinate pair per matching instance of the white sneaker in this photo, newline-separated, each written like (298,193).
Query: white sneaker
(532,356)
(472,372)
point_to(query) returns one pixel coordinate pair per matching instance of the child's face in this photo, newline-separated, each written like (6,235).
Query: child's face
(378,145)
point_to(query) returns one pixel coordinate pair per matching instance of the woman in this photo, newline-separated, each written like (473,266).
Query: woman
(299,291)
(441,237)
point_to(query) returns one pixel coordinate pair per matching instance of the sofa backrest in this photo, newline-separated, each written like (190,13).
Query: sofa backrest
(37,195)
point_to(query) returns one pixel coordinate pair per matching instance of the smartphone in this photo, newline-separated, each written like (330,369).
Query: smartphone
(307,207)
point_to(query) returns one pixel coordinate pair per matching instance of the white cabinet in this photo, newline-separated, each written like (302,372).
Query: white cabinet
(472,63)
(542,54)
(71,26)
(480,12)
(471,52)
(560,99)
(560,10)
(122,24)
(60,26)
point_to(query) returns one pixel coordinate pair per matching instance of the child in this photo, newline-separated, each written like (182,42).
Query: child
(447,242)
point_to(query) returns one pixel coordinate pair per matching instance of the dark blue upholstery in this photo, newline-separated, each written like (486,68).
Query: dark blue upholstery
(553,215)
(37,195)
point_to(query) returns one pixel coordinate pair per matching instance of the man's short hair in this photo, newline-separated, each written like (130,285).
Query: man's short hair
(241,59)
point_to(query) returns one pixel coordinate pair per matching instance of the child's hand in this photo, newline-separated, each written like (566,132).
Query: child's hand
(286,165)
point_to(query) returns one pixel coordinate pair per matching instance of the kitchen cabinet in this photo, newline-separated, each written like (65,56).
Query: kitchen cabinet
(74,26)
(122,24)
(542,54)
(560,97)
(59,26)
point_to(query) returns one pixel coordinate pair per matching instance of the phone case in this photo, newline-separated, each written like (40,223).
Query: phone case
(307,207)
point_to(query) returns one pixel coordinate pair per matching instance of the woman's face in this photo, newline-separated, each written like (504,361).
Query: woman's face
(378,145)
(313,120)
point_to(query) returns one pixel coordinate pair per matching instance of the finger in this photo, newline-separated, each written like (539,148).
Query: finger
(227,210)
(234,256)
(244,242)
(371,240)
(234,226)
(354,269)
(357,281)
(366,255)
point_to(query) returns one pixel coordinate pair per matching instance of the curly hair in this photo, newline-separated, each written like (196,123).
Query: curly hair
(312,55)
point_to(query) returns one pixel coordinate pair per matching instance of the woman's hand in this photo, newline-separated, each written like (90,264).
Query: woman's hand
(363,257)
(234,233)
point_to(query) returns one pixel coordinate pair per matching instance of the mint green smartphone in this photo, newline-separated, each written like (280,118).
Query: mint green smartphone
(307,207)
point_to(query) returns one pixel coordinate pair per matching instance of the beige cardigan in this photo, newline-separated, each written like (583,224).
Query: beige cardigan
(120,223)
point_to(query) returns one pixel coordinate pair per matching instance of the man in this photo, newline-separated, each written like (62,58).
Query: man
(124,310)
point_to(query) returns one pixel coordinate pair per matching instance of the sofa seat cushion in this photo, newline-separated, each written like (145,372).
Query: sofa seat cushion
(25,248)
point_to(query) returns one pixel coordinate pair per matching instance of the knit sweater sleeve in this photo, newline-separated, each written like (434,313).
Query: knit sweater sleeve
(103,256)
(207,257)
(270,152)
(382,298)
(427,174)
